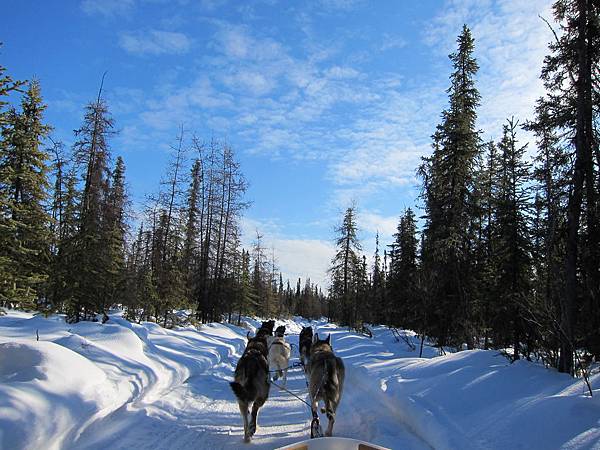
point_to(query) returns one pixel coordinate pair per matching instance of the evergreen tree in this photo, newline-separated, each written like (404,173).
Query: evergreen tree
(24,221)
(190,252)
(64,277)
(513,252)
(344,271)
(114,229)
(92,155)
(376,296)
(449,178)
(486,274)
(402,281)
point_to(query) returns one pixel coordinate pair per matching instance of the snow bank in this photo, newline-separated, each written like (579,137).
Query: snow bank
(475,399)
(44,388)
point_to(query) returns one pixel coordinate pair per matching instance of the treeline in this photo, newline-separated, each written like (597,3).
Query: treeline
(66,241)
(508,254)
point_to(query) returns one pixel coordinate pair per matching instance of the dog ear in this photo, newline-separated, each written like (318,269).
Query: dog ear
(328,340)
(315,338)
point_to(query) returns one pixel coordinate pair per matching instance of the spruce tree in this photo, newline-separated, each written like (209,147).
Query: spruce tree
(404,307)
(344,271)
(513,251)
(484,226)
(92,155)
(114,229)
(376,296)
(24,220)
(449,178)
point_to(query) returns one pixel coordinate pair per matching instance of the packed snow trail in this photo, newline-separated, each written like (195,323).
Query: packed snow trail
(122,385)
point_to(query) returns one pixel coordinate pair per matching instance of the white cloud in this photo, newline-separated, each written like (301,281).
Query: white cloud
(374,222)
(296,257)
(340,73)
(252,83)
(155,42)
(304,258)
(236,42)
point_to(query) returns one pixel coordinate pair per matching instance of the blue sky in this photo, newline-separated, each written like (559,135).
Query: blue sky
(325,102)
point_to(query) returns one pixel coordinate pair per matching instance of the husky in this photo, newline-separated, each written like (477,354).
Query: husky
(279,356)
(280,331)
(304,342)
(251,382)
(326,379)
(266,329)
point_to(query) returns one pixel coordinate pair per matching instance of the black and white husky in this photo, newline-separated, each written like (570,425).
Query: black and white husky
(326,379)
(279,355)
(251,382)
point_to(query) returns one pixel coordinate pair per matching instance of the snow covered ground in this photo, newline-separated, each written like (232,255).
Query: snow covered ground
(128,386)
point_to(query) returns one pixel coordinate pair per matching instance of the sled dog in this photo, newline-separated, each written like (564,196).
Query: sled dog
(305,341)
(266,329)
(326,378)
(279,357)
(280,331)
(251,382)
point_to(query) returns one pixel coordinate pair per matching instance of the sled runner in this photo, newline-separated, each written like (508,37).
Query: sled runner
(332,443)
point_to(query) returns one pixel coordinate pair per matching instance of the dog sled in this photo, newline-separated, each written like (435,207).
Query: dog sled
(332,443)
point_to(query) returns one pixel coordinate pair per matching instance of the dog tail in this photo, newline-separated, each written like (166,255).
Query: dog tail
(242,392)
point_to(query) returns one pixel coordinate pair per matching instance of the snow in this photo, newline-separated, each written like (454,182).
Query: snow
(121,385)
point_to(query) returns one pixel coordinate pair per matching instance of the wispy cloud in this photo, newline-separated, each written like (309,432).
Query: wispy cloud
(392,42)
(107,8)
(344,5)
(155,42)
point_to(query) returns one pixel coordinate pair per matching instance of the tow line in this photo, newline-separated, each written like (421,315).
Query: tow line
(315,427)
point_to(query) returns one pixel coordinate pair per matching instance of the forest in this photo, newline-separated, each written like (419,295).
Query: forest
(501,249)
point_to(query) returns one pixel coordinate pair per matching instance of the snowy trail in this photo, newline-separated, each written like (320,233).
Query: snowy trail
(129,386)
(201,412)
